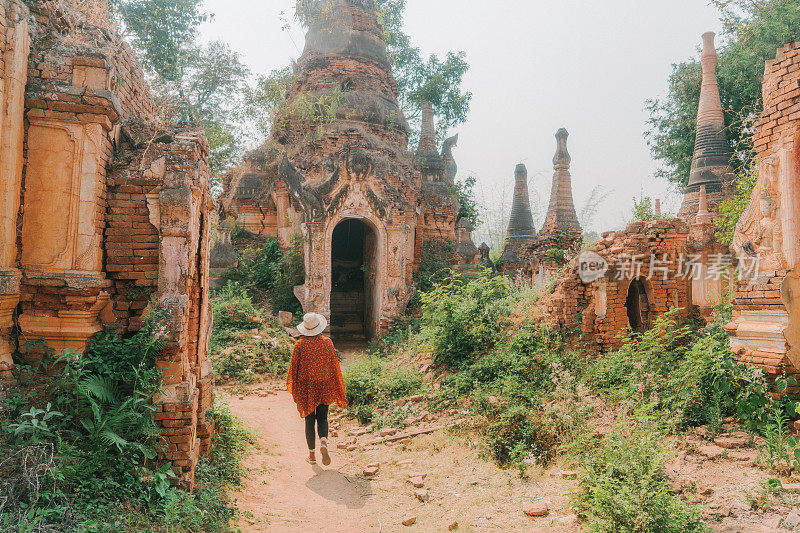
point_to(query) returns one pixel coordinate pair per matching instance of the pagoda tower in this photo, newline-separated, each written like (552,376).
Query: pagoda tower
(561,215)
(521,231)
(712,155)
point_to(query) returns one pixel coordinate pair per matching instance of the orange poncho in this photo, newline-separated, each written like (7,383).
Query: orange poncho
(314,375)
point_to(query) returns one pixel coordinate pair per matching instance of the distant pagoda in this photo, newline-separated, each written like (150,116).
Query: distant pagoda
(561,215)
(521,230)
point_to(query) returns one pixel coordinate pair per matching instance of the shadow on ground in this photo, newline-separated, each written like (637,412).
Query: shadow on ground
(340,489)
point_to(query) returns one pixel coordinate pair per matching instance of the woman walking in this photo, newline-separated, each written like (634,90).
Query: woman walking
(315,382)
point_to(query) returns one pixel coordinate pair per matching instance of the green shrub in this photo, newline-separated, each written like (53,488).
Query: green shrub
(85,461)
(233,308)
(624,488)
(519,435)
(465,319)
(435,262)
(685,373)
(369,381)
(273,272)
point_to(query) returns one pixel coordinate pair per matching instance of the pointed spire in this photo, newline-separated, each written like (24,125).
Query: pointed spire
(712,155)
(521,230)
(711,151)
(427,158)
(427,137)
(561,211)
(703,216)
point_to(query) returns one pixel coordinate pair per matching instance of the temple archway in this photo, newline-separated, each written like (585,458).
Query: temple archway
(354,252)
(637,305)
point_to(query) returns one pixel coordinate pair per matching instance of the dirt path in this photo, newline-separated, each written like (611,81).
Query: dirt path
(283,492)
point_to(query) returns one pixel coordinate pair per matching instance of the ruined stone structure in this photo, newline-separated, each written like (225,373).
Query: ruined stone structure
(364,204)
(102,215)
(652,266)
(766,320)
(561,235)
(521,231)
(644,278)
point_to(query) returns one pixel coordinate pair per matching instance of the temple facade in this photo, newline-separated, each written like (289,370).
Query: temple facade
(364,204)
(104,217)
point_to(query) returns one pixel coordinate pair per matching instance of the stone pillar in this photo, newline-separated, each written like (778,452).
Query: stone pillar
(62,228)
(15,42)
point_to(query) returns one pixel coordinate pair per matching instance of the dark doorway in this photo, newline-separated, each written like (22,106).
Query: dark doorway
(638,306)
(353,249)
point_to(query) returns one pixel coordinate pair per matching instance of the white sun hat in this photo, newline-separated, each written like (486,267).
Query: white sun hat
(312,325)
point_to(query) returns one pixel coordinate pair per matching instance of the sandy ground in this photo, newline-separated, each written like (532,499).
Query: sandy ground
(282,492)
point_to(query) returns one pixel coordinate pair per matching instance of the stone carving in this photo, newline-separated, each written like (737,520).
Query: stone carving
(760,230)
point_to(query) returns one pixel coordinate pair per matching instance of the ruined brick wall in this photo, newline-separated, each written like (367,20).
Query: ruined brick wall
(781,93)
(104,213)
(765,329)
(598,309)
(14,48)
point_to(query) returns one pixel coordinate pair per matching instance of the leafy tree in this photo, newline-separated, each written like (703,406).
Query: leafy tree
(267,99)
(467,204)
(753,31)
(204,82)
(209,89)
(164,30)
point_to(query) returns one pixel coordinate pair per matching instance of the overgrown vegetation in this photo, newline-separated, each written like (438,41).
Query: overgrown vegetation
(271,274)
(237,353)
(624,487)
(80,450)
(533,395)
(733,208)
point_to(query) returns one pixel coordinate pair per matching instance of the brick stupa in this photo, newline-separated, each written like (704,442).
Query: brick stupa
(712,155)
(561,215)
(521,230)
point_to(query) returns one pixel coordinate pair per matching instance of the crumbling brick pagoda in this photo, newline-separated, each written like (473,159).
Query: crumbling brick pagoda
(347,183)
(653,266)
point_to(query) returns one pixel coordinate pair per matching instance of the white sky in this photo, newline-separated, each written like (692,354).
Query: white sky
(535,66)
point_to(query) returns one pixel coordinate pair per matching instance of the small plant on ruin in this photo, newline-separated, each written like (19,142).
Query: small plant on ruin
(731,210)
(763,497)
(780,451)
(435,262)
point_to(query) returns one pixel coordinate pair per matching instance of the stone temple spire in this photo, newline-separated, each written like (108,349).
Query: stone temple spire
(427,158)
(521,230)
(712,155)
(561,212)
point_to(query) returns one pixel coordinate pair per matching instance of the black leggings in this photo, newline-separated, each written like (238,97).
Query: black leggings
(321,417)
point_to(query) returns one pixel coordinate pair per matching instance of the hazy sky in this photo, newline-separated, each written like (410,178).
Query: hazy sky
(535,66)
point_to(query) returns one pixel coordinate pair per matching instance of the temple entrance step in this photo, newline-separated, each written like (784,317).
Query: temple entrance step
(347,322)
